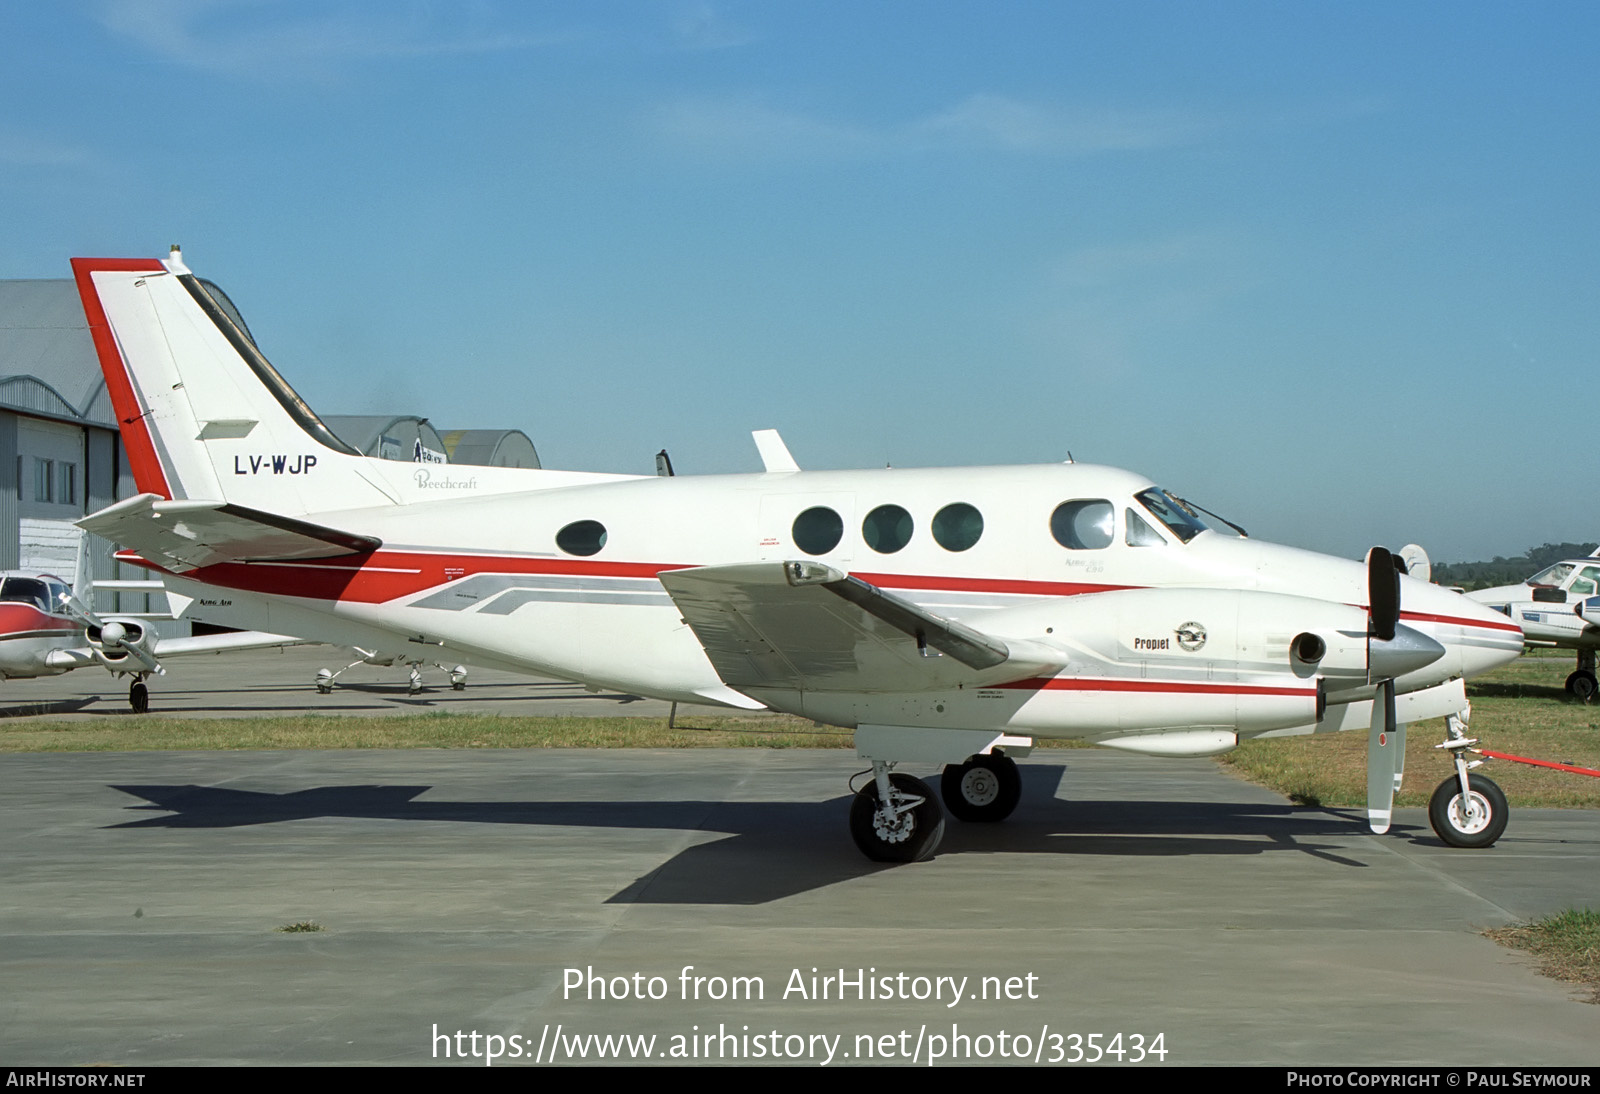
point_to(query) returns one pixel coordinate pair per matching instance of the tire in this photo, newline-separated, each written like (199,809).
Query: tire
(1450,823)
(915,837)
(1582,686)
(985,789)
(139,698)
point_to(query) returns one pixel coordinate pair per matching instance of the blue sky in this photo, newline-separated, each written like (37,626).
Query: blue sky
(1329,269)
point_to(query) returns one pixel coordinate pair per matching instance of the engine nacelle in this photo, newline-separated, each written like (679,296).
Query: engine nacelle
(123,645)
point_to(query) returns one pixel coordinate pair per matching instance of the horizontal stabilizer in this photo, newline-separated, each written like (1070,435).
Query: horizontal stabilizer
(186,535)
(808,627)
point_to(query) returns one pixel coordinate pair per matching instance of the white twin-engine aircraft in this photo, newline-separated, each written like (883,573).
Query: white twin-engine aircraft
(947,616)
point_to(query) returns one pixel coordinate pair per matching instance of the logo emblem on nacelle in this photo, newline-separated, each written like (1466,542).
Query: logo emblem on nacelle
(1191,636)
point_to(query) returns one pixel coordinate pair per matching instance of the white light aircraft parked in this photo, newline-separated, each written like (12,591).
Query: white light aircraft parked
(1556,610)
(947,616)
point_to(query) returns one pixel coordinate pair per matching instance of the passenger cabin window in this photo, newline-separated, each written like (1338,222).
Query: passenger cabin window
(957,527)
(1140,534)
(582,537)
(1587,583)
(887,529)
(818,530)
(1083,525)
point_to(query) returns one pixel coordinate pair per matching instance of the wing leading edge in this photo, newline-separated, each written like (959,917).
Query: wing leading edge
(808,627)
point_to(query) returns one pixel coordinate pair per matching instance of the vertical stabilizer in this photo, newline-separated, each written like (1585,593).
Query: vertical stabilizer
(203,414)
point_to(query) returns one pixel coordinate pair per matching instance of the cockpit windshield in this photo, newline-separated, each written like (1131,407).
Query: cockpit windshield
(1555,575)
(26,590)
(1179,517)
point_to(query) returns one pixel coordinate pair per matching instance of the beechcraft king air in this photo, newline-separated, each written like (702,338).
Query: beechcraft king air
(946,616)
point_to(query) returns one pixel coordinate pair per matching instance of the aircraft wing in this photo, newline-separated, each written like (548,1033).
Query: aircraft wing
(163,648)
(806,626)
(186,535)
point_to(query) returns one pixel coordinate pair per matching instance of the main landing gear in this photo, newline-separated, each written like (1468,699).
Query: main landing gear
(983,789)
(1582,684)
(896,818)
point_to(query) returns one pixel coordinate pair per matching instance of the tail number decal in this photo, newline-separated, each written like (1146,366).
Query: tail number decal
(274,465)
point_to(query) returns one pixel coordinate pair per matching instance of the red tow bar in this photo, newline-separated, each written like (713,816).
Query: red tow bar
(1537,763)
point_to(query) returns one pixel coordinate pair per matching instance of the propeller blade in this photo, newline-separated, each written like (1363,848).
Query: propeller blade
(1383,592)
(1385,757)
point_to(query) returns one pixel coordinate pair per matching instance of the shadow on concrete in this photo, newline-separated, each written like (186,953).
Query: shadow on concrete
(56,706)
(778,849)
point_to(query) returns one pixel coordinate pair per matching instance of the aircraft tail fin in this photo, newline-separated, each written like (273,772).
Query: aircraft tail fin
(203,414)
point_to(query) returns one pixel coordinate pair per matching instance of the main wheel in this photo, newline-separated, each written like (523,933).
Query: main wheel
(1477,823)
(911,836)
(139,697)
(985,788)
(1582,685)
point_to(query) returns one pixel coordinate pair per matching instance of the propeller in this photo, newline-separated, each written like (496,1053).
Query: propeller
(1392,651)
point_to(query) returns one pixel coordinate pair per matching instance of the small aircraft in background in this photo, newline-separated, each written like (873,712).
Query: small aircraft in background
(947,616)
(46,631)
(385,659)
(1553,611)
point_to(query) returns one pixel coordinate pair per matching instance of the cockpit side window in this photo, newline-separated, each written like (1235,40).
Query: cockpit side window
(57,591)
(1083,525)
(1180,520)
(1555,575)
(1140,534)
(1587,583)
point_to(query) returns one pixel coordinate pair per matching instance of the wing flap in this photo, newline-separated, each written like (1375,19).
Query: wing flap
(186,535)
(803,626)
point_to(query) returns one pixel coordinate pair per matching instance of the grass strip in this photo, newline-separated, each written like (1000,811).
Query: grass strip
(1567,946)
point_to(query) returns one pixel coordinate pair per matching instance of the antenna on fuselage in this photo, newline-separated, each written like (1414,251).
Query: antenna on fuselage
(664,464)
(774,453)
(1069,456)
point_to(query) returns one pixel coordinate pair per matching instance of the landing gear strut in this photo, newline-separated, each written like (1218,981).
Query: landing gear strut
(896,818)
(983,789)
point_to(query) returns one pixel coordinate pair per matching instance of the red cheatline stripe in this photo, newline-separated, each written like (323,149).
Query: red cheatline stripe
(1090,684)
(385,575)
(142,458)
(1487,624)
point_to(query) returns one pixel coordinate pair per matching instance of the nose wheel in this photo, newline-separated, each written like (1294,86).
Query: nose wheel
(139,697)
(1474,820)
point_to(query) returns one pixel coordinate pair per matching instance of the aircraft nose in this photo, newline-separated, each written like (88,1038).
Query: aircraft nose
(1486,638)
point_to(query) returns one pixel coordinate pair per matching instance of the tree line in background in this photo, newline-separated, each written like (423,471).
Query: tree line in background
(1507,571)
